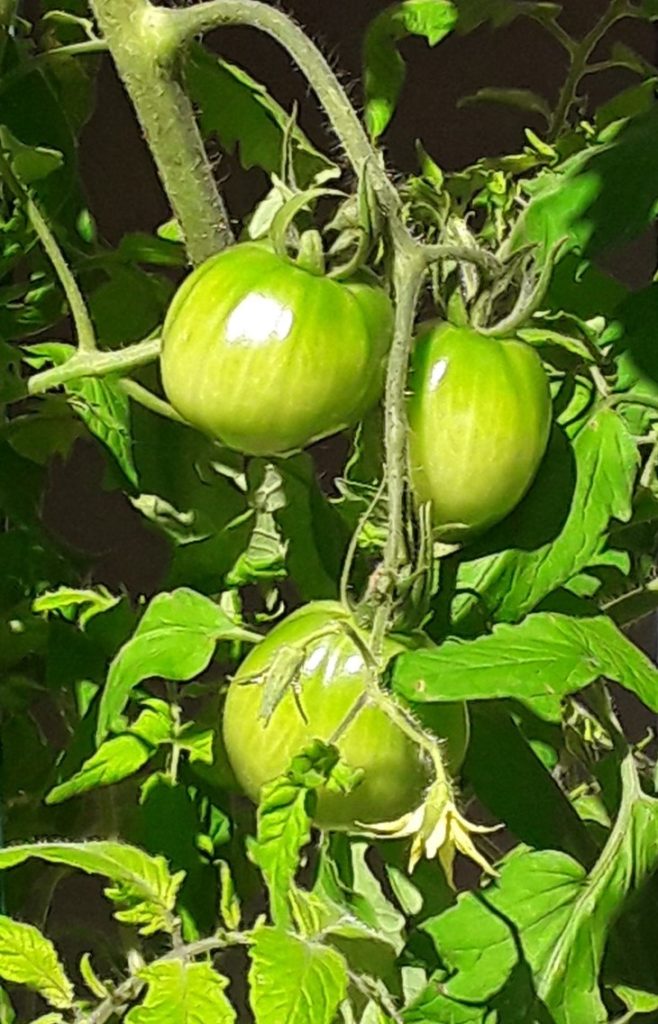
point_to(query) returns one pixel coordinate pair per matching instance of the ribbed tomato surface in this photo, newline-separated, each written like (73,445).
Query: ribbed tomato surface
(267,356)
(331,676)
(479,418)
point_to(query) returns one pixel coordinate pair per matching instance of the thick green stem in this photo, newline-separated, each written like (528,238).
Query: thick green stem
(144,52)
(409,270)
(95,364)
(409,273)
(188,22)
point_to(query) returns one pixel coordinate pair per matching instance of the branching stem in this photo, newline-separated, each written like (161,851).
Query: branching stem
(131,988)
(186,23)
(95,364)
(580,55)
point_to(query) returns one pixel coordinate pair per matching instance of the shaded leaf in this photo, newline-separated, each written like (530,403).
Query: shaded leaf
(523,99)
(141,883)
(517,788)
(384,68)
(240,112)
(102,407)
(602,196)
(29,163)
(473,13)
(163,802)
(559,528)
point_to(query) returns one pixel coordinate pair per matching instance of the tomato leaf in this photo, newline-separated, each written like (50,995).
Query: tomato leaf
(183,992)
(521,792)
(602,196)
(163,801)
(175,638)
(355,890)
(102,407)
(316,535)
(473,13)
(558,529)
(542,927)
(29,163)
(88,603)
(384,68)
(523,99)
(294,981)
(120,756)
(28,958)
(239,111)
(142,884)
(284,822)
(538,661)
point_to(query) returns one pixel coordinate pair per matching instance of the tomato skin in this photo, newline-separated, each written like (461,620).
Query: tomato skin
(332,678)
(479,419)
(267,356)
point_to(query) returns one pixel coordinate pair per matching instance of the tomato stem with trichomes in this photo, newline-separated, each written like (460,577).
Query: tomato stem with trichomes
(96,364)
(144,52)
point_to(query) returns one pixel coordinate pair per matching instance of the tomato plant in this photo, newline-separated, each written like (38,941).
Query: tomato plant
(268,356)
(349,732)
(479,420)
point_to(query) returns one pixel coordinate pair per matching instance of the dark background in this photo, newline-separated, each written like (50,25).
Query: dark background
(125,195)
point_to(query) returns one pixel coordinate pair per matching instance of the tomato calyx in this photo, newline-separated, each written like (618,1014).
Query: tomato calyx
(437,828)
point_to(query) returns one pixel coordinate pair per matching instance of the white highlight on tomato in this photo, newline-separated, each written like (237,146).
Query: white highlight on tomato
(315,659)
(257,320)
(438,373)
(354,664)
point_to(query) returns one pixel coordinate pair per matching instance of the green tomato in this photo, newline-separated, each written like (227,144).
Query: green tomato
(267,356)
(479,419)
(330,677)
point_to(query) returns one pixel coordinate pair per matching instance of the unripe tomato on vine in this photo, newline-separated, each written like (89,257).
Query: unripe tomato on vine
(327,699)
(268,356)
(479,419)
